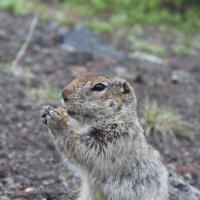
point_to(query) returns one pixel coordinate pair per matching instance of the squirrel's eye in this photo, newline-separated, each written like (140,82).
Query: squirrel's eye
(98,87)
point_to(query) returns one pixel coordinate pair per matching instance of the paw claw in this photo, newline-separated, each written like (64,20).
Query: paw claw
(47,108)
(44,120)
(48,118)
(43,113)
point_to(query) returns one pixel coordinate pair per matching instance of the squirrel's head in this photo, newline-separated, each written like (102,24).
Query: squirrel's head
(96,96)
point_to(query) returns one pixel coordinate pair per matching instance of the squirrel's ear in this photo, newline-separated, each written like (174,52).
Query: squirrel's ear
(126,88)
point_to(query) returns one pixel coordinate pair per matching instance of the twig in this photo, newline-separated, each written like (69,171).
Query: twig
(24,46)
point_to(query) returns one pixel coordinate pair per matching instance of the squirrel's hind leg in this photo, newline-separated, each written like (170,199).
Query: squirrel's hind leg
(85,193)
(90,192)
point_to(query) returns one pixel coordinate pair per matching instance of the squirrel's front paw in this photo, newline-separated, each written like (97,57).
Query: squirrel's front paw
(55,119)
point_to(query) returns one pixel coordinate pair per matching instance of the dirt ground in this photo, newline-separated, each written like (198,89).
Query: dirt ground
(30,167)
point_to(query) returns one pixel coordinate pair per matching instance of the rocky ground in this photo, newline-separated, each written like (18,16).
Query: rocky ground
(30,167)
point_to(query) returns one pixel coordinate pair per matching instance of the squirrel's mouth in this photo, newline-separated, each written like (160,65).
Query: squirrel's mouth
(75,114)
(71,112)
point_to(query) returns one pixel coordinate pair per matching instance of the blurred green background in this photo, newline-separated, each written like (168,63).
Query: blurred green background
(108,15)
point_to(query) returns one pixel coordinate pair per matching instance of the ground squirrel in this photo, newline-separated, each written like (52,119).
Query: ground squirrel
(101,137)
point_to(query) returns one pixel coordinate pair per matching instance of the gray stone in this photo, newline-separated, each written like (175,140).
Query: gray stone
(181,190)
(122,72)
(84,39)
(180,76)
(146,57)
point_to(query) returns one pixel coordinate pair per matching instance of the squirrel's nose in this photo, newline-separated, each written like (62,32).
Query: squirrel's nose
(64,95)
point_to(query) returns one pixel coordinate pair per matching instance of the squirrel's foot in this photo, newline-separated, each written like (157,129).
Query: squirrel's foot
(55,119)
